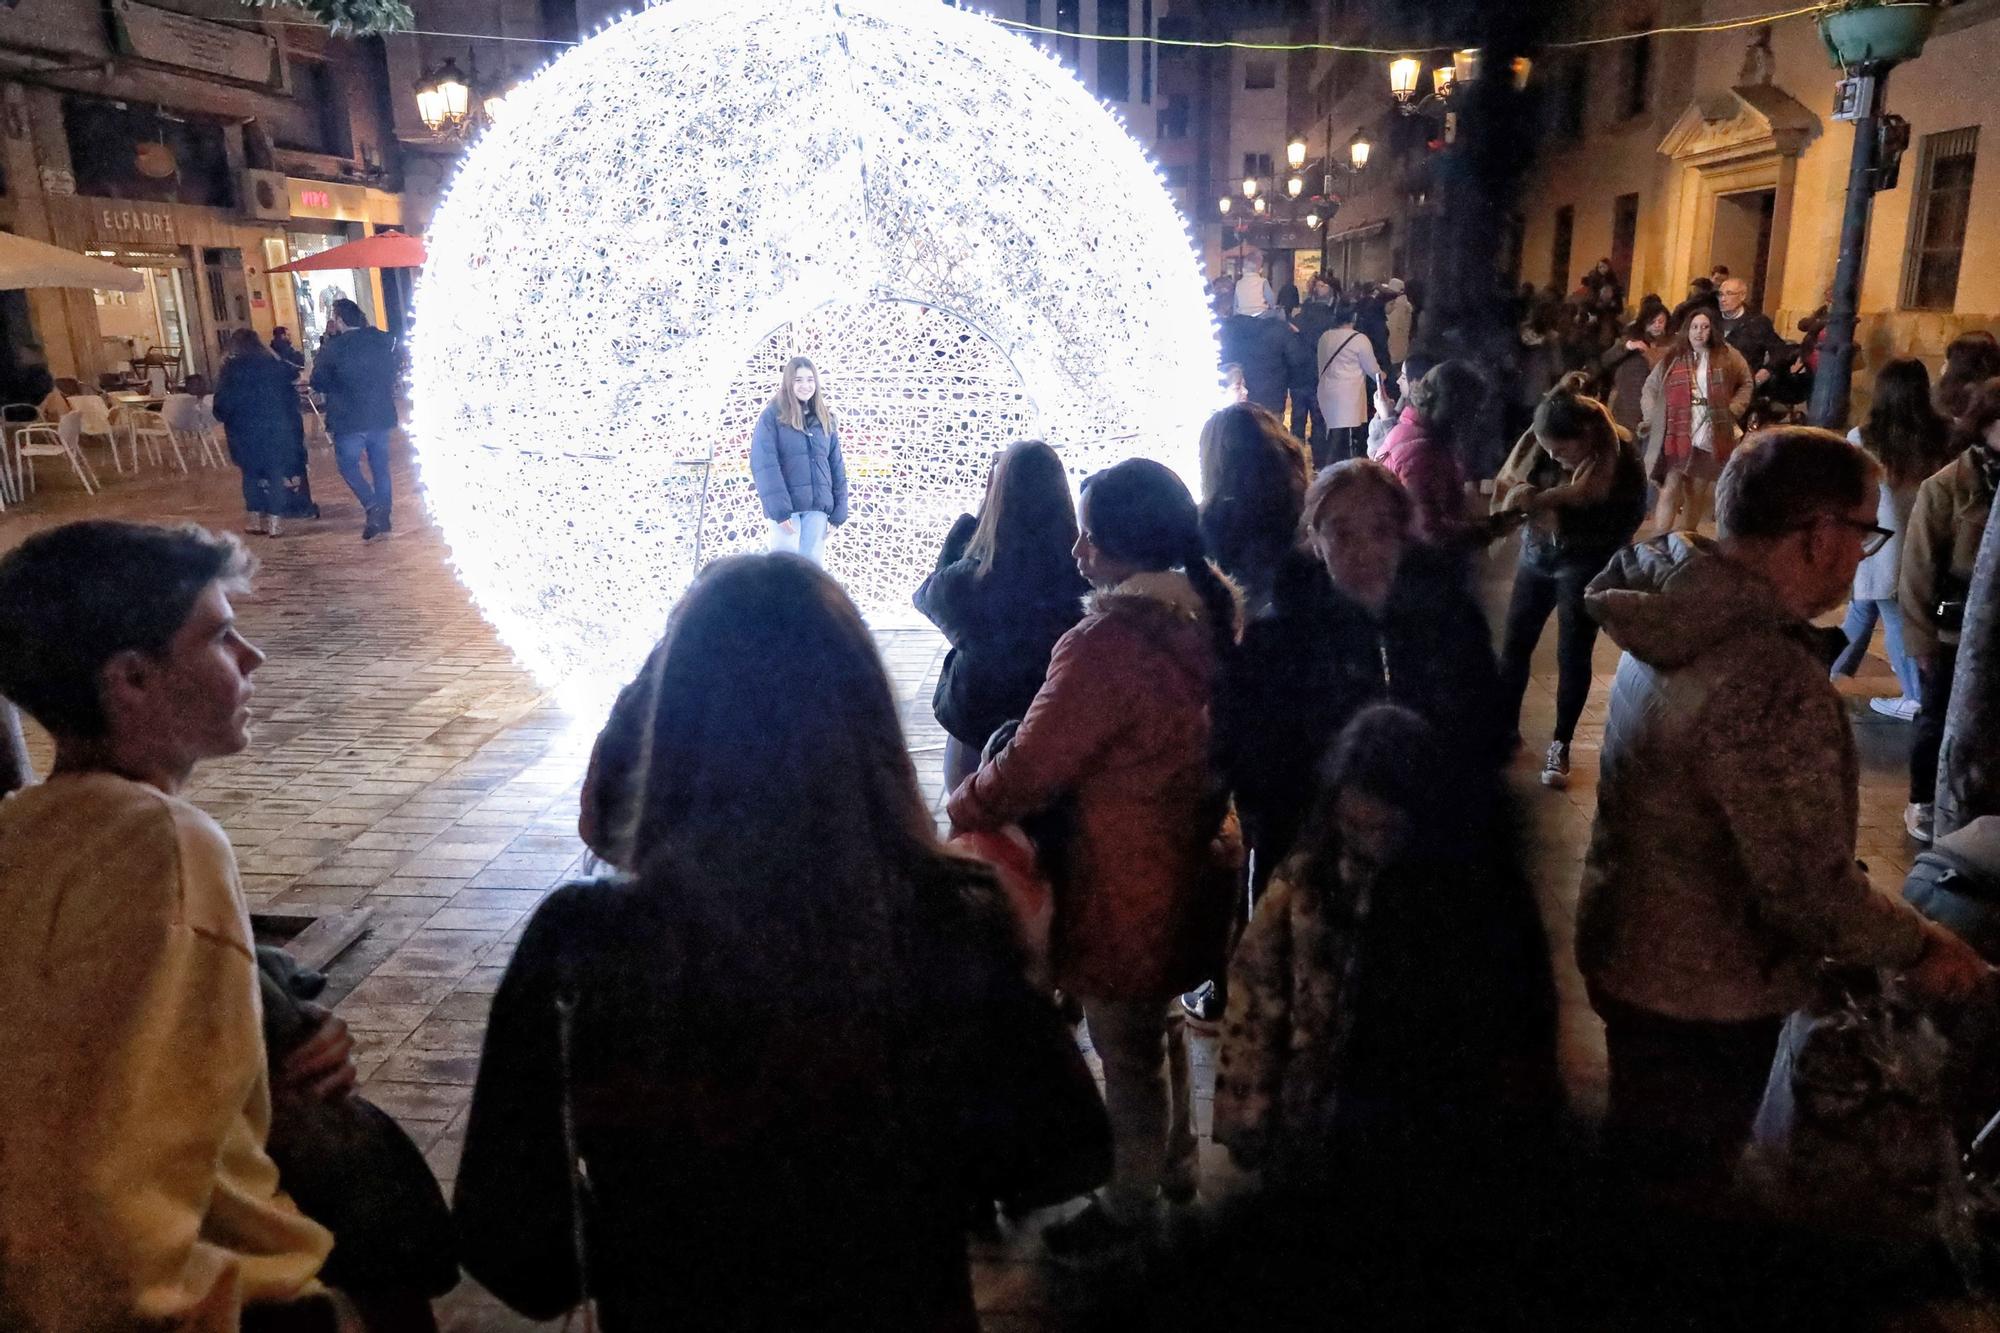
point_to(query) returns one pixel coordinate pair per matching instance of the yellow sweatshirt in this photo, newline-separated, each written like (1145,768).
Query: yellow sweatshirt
(134,1106)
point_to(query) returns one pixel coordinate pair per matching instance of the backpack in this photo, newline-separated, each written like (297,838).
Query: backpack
(1956,883)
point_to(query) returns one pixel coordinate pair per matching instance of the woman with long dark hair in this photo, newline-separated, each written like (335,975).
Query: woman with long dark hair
(1004,590)
(1693,401)
(1253,483)
(1631,359)
(1578,478)
(1121,730)
(796,464)
(1970,359)
(1905,434)
(754,1082)
(258,405)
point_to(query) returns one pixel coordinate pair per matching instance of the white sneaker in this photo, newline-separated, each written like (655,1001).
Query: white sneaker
(256,524)
(1917,822)
(1903,710)
(270,525)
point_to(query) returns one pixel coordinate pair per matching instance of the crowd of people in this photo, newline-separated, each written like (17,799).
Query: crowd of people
(771,1066)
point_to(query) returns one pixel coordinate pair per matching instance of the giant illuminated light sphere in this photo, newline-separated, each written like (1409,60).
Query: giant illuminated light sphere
(969,247)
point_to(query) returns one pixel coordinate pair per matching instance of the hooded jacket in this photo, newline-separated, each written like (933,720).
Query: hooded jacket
(1431,473)
(1121,728)
(1721,866)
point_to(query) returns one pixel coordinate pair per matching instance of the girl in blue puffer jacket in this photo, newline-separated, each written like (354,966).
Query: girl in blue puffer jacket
(795,461)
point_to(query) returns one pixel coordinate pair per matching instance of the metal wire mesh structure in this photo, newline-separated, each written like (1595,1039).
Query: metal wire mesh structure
(969,247)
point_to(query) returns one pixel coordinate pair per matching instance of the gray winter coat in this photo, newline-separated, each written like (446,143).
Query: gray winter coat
(798,471)
(1721,866)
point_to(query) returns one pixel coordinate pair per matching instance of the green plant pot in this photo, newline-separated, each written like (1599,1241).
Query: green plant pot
(1878,33)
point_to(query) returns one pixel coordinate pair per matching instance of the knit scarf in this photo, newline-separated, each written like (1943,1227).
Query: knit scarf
(1680,396)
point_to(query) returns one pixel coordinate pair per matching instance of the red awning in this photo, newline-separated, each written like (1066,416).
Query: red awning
(391,249)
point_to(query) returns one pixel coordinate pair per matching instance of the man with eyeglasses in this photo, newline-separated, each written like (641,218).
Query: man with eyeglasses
(1721,868)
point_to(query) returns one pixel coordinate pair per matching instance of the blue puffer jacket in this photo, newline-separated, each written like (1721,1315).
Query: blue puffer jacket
(798,471)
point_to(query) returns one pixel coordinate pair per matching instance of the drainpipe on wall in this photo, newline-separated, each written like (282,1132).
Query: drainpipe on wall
(1833,383)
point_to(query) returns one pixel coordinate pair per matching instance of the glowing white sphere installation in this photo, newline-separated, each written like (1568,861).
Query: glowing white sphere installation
(970,247)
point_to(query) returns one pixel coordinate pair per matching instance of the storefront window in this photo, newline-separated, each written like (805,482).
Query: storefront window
(318,289)
(149,326)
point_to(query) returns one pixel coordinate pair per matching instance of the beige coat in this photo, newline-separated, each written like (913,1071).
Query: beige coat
(1721,866)
(1941,544)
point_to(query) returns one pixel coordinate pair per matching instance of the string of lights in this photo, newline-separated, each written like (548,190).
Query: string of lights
(1718,25)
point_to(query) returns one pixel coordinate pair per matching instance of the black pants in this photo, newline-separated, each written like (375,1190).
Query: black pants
(1541,587)
(1936,681)
(1684,1095)
(1345,442)
(1308,425)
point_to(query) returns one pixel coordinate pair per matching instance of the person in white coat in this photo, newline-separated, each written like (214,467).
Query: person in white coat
(1346,364)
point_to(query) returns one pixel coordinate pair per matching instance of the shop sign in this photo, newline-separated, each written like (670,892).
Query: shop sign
(128,222)
(168,38)
(314,199)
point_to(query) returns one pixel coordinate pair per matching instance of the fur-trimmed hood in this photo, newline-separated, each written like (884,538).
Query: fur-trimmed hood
(1152,590)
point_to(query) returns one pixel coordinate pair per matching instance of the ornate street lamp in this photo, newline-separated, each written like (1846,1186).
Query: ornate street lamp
(444,101)
(1224,204)
(1441,82)
(1258,205)
(1295,154)
(1295,187)
(1403,74)
(1465,65)
(1249,187)
(1358,149)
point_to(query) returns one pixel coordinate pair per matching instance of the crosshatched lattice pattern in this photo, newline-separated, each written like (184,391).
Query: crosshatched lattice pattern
(609,265)
(922,401)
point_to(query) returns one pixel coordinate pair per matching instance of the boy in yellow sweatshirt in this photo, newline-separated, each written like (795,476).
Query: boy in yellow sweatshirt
(134,1185)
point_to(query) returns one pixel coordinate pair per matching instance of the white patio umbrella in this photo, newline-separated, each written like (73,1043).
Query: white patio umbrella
(26,263)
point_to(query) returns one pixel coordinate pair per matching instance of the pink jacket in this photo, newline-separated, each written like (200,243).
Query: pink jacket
(1121,726)
(1430,472)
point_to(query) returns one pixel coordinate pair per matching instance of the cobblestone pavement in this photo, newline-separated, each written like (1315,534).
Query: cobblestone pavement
(402,761)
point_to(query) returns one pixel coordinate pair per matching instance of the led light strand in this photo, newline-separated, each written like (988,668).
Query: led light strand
(668,210)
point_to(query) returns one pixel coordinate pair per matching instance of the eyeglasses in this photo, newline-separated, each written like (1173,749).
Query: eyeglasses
(1876,536)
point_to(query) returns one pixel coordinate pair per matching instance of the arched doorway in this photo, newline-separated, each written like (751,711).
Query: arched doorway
(922,401)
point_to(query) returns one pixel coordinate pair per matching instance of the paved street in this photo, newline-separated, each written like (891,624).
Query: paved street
(404,763)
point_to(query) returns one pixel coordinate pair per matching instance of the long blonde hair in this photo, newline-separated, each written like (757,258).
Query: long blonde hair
(787,402)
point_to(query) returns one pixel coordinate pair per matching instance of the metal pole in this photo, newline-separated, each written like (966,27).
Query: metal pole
(1834,381)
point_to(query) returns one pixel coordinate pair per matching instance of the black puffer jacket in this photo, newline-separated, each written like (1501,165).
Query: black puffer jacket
(1315,658)
(259,410)
(1002,628)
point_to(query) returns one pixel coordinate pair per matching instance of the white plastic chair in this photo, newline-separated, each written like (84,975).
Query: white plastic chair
(62,440)
(147,427)
(188,423)
(96,423)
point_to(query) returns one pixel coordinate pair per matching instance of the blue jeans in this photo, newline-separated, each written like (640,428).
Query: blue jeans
(263,487)
(347,451)
(807,537)
(1860,628)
